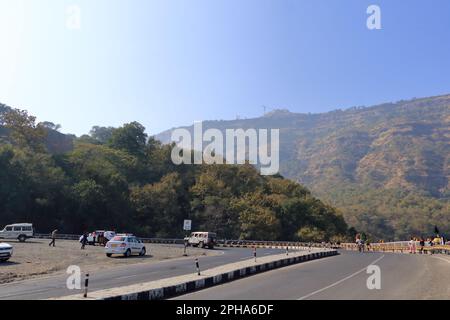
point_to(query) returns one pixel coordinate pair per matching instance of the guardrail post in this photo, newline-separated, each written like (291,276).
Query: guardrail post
(86,285)
(185,246)
(197,266)
(254,253)
(287,250)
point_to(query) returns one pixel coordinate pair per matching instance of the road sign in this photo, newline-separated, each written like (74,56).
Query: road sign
(187,225)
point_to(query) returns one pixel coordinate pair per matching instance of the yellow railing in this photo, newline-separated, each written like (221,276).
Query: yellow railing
(395,247)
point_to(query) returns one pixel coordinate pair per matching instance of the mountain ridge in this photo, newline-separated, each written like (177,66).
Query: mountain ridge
(360,153)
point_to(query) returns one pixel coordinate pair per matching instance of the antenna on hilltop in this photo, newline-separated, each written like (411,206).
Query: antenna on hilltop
(265,109)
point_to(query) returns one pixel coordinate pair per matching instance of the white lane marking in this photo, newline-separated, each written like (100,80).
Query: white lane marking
(340,281)
(440,258)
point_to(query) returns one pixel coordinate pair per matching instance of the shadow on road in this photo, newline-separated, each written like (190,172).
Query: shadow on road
(8,263)
(149,256)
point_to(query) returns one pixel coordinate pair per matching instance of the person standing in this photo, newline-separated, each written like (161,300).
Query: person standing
(412,245)
(422,245)
(53,238)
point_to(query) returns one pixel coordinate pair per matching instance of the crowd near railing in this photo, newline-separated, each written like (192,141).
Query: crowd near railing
(400,247)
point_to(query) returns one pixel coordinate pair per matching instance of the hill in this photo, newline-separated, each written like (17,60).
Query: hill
(119,178)
(386,167)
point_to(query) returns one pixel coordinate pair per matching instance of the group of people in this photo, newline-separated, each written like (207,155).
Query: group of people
(416,244)
(430,241)
(362,243)
(101,239)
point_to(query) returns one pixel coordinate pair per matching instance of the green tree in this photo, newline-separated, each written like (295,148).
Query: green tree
(130,138)
(23,129)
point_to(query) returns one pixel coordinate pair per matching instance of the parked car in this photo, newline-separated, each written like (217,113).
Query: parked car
(202,239)
(19,231)
(99,236)
(125,244)
(6,252)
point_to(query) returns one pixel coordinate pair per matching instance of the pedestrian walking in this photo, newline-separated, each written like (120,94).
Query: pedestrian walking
(52,243)
(84,240)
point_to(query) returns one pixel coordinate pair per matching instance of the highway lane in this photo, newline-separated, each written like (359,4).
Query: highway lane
(342,277)
(55,286)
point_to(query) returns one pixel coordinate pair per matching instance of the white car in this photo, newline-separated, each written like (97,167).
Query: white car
(19,231)
(6,252)
(126,245)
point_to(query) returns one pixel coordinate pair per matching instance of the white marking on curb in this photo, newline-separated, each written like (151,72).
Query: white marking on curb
(340,281)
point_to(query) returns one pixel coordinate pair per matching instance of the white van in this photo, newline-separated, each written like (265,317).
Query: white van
(19,231)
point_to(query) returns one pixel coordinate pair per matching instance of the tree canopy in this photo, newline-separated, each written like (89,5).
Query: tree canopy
(119,178)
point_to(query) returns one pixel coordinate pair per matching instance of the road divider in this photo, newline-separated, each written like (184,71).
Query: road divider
(175,286)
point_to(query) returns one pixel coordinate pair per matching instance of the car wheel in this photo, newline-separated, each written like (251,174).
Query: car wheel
(22,238)
(109,255)
(201,245)
(143,252)
(127,253)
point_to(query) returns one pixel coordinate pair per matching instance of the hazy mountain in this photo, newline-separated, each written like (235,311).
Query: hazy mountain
(387,167)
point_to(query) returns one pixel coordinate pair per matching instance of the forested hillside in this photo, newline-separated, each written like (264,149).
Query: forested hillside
(387,167)
(55,142)
(119,178)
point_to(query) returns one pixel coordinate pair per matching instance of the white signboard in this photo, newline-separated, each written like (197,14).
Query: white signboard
(187,225)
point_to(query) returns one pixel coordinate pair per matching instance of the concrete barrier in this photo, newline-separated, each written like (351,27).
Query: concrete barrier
(175,286)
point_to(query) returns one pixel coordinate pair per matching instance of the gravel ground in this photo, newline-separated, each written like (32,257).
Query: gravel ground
(35,258)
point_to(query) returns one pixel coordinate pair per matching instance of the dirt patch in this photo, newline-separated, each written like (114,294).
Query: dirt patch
(35,258)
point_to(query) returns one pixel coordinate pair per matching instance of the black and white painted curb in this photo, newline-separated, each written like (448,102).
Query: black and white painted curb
(190,286)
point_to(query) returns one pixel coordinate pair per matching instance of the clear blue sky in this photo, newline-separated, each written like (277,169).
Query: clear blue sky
(166,63)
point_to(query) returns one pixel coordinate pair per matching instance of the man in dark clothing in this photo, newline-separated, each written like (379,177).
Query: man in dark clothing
(422,245)
(84,240)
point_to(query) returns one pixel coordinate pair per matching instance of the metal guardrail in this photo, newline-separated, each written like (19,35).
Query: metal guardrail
(399,246)
(222,242)
(62,236)
(58,236)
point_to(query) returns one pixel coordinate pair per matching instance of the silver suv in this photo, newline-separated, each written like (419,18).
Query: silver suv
(19,231)
(201,239)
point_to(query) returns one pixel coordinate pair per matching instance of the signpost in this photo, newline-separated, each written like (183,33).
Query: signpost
(186,227)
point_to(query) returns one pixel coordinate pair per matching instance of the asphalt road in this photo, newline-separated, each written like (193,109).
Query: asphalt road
(55,286)
(342,277)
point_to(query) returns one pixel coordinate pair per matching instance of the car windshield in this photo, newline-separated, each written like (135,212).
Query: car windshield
(119,239)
